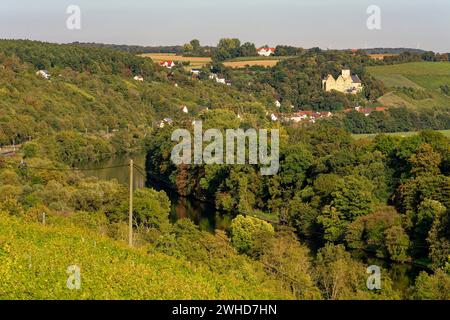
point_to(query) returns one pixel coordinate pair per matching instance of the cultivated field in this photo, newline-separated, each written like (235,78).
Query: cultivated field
(199,62)
(381,56)
(250,63)
(244,62)
(427,76)
(194,62)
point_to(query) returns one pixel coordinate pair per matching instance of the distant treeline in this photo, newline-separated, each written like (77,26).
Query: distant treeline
(133,48)
(393,50)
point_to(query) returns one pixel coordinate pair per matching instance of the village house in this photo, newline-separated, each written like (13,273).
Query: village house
(345,83)
(266,52)
(168,64)
(185,109)
(366,111)
(277,104)
(273,117)
(139,78)
(44,74)
(312,116)
(215,77)
(195,72)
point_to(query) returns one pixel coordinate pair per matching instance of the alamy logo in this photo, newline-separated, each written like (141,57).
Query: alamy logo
(74,279)
(73,22)
(374,280)
(259,151)
(374,19)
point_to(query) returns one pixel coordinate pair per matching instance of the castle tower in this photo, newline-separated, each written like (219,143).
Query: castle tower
(346,73)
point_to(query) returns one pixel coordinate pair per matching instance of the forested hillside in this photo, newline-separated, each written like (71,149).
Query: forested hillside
(298,81)
(386,198)
(389,196)
(91,91)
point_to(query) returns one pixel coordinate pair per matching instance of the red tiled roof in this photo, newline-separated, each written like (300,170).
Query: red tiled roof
(271,49)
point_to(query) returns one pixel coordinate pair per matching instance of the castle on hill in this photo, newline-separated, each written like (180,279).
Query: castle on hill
(345,83)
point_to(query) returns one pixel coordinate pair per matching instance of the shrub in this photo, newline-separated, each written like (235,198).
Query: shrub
(245,231)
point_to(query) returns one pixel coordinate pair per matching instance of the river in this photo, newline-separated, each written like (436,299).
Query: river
(208,219)
(203,214)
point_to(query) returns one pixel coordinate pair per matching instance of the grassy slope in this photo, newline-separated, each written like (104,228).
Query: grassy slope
(34,260)
(397,134)
(419,75)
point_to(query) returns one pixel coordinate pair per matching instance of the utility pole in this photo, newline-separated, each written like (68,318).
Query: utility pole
(130,215)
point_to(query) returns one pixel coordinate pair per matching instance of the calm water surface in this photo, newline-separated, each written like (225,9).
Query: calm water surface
(203,214)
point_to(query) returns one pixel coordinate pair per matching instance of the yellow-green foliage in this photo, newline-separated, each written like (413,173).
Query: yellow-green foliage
(34,259)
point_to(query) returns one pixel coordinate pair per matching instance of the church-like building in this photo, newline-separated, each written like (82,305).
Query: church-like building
(345,83)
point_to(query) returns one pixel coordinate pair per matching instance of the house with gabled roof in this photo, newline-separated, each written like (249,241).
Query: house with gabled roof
(266,52)
(169,64)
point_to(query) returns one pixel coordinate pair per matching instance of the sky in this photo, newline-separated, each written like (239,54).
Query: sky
(334,24)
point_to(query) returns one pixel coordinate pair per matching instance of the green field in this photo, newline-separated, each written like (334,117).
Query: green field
(396,134)
(428,76)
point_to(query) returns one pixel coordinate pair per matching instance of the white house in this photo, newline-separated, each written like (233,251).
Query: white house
(185,109)
(215,77)
(195,72)
(168,64)
(278,104)
(273,117)
(44,74)
(266,52)
(138,78)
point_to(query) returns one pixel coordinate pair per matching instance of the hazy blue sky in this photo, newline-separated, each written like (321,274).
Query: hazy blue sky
(325,23)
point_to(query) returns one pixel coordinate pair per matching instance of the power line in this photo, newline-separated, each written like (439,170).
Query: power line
(141,173)
(139,167)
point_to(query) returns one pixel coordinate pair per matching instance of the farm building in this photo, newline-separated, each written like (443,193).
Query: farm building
(266,52)
(168,64)
(215,77)
(139,78)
